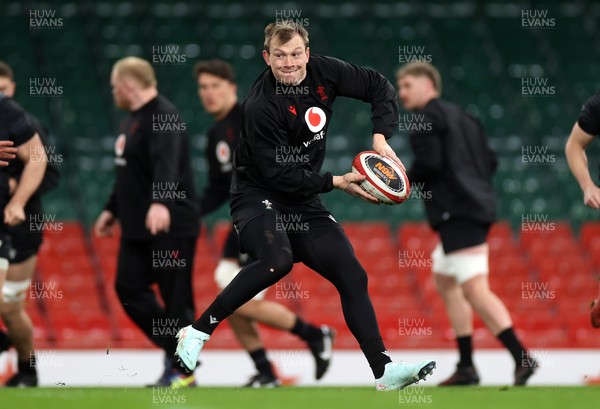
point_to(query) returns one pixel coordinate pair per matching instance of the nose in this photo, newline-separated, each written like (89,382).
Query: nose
(288,61)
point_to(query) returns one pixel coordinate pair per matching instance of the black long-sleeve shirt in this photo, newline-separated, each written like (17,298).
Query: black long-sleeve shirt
(589,117)
(153,166)
(454,162)
(223,138)
(284,128)
(51,174)
(16,126)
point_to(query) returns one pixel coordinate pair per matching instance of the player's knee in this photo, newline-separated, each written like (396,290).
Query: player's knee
(354,280)
(13,294)
(280,264)
(475,294)
(225,272)
(444,286)
(11,311)
(362,279)
(247,310)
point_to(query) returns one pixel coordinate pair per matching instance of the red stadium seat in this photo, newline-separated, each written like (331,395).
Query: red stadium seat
(581,333)
(419,231)
(557,245)
(590,232)
(566,264)
(82,329)
(544,230)
(501,231)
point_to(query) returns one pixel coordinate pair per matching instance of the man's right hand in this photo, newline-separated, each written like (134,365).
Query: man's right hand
(105,223)
(591,197)
(7,151)
(349,183)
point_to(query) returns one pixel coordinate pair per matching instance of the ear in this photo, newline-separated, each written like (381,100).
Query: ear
(307,54)
(265,55)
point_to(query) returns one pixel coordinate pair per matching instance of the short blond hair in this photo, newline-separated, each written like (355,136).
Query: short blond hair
(137,68)
(284,31)
(422,69)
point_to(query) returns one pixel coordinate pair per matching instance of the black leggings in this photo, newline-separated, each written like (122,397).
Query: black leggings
(169,263)
(322,246)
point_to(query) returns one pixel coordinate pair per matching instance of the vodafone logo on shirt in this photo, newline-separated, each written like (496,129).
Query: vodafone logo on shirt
(315,119)
(223,152)
(120,145)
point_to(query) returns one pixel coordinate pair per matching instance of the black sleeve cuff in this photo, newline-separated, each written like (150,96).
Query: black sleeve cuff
(328,185)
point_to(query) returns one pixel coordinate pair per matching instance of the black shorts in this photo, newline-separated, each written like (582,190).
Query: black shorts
(306,221)
(27,237)
(461,234)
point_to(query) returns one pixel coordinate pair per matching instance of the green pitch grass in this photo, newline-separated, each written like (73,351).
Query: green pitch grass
(301,398)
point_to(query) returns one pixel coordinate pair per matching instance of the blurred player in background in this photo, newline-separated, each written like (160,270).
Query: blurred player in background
(155,203)
(585,129)
(12,122)
(8,119)
(455,163)
(595,312)
(26,241)
(218,92)
(288,110)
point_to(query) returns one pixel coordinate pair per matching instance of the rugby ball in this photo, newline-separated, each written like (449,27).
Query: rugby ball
(384,178)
